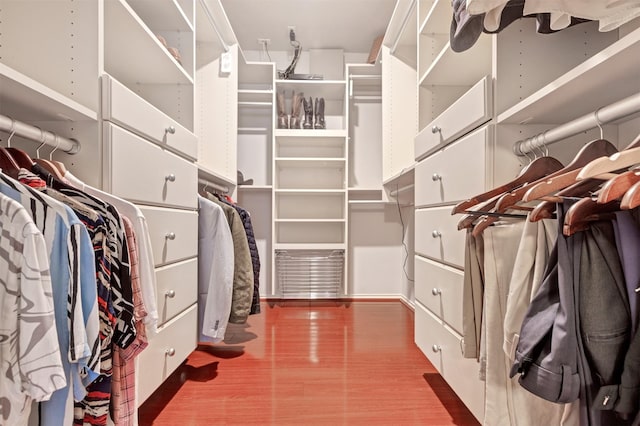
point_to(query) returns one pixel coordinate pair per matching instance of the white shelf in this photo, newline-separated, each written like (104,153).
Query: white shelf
(255,188)
(310,220)
(254,75)
(162,14)
(402,178)
(311,162)
(257,95)
(305,246)
(33,101)
(246,130)
(601,80)
(329,89)
(215,177)
(311,133)
(133,54)
(438,20)
(252,104)
(459,69)
(310,191)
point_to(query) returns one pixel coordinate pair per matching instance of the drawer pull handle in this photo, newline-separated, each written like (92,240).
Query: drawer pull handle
(436,177)
(436,129)
(170,129)
(171,177)
(436,348)
(170,352)
(436,234)
(170,294)
(436,291)
(170,236)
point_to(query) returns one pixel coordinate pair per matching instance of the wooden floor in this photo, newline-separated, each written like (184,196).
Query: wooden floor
(301,363)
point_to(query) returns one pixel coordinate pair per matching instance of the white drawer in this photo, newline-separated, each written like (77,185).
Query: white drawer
(177,288)
(145,173)
(156,362)
(443,345)
(455,173)
(174,234)
(125,108)
(468,112)
(437,236)
(439,288)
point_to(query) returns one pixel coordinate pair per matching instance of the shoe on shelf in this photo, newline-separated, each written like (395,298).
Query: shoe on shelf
(283,119)
(319,121)
(242,181)
(308,113)
(296,108)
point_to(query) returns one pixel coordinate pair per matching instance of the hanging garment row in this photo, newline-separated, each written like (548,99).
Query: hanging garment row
(551,290)
(79,297)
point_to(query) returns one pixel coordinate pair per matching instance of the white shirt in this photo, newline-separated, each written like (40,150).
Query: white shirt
(145,252)
(29,350)
(215,271)
(610,13)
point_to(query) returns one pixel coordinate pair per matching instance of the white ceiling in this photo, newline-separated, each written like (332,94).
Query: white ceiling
(351,25)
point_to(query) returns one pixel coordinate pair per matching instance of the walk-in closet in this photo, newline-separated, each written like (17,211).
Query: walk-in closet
(319,212)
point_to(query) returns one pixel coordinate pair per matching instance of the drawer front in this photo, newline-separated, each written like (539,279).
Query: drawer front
(174,234)
(155,363)
(443,348)
(468,112)
(145,173)
(439,288)
(177,288)
(437,236)
(455,173)
(125,108)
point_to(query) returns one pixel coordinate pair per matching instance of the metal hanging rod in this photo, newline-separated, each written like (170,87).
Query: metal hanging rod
(607,114)
(395,192)
(216,186)
(27,131)
(212,21)
(403,26)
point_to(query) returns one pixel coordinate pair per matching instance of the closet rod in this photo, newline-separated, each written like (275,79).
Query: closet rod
(403,27)
(9,125)
(213,24)
(395,192)
(209,184)
(607,114)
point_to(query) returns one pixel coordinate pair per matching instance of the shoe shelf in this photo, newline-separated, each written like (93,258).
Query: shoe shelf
(255,188)
(312,133)
(255,95)
(311,162)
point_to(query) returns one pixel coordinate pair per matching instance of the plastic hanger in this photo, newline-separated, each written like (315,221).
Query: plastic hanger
(538,168)
(559,179)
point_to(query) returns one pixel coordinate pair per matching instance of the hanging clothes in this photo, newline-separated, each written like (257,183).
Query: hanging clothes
(243,269)
(29,353)
(215,271)
(253,249)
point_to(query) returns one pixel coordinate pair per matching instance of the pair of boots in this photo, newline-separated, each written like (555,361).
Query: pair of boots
(313,115)
(298,104)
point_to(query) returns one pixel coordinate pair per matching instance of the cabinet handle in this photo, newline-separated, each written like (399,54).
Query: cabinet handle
(170,177)
(436,129)
(170,129)
(170,294)
(436,291)
(170,236)
(436,348)
(436,177)
(170,352)
(436,234)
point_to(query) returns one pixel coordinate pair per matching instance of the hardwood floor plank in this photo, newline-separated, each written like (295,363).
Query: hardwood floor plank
(308,363)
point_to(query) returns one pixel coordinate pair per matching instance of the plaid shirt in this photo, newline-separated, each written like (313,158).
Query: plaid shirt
(123,402)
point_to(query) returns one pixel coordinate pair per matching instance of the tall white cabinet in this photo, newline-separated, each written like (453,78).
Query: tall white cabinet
(472,108)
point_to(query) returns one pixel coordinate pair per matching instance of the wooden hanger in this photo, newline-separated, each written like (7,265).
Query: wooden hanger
(592,150)
(467,220)
(587,210)
(616,187)
(8,163)
(21,157)
(46,164)
(538,168)
(604,167)
(546,209)
(631,198)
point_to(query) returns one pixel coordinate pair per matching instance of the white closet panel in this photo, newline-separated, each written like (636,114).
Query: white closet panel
(437,236)
(177,288)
